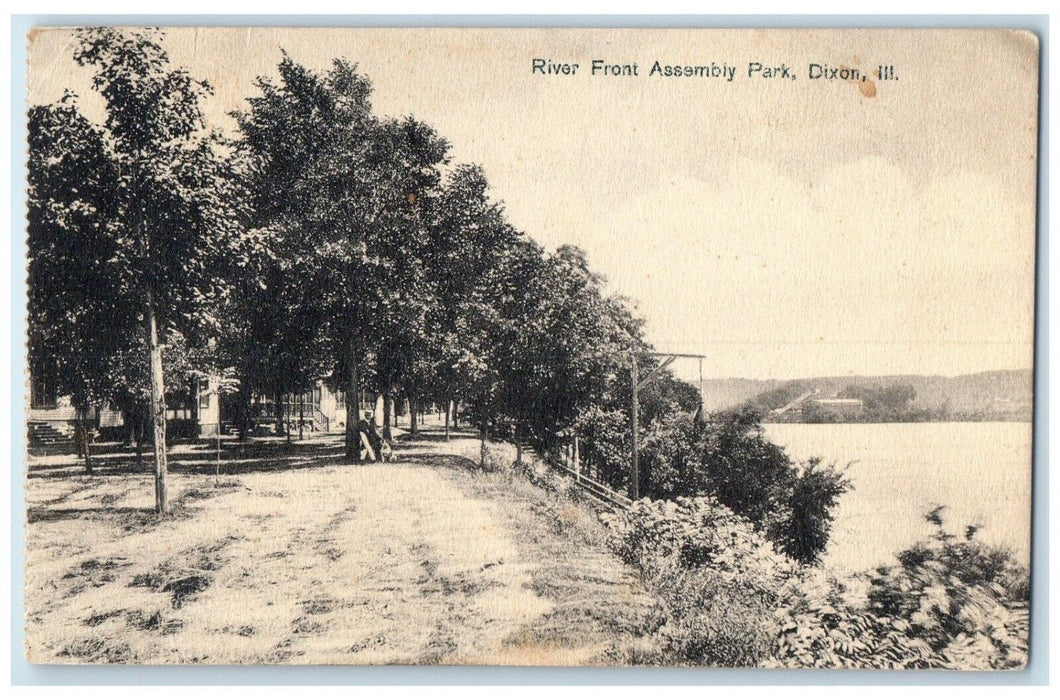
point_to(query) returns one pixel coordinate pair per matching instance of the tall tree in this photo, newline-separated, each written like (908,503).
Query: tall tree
(175,206)
(343,190)
(469,240)
(309,142)
(76,320)
(398,334)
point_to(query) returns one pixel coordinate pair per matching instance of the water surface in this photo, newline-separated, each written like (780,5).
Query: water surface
(981,471)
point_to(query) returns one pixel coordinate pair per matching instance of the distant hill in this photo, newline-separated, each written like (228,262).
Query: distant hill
(720,394)
(997,395)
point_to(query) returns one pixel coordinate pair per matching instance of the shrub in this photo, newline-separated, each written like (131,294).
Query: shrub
(697,532)
(495,459)
(803,532)
(717,579)
(731,460)
(711,619)
(728,598)
(965,598)
(671,459)
(949,603)
(817,634)
(605,445)
(745,471)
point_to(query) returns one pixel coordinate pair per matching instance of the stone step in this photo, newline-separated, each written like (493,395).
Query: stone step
(43,434)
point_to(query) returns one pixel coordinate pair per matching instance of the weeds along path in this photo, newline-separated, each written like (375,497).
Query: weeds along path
(416,561)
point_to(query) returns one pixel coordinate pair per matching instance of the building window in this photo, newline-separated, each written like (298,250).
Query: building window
(42,389)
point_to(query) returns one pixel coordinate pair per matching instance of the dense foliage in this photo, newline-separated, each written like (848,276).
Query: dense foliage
(322,241)
(729,458)
(130,222)
(317,241)
(730,599)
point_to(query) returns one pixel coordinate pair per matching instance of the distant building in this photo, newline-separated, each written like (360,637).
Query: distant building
(809,408)
(844,407)
(51,418)
(198,410)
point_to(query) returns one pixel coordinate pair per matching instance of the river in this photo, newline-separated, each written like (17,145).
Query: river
(980,471)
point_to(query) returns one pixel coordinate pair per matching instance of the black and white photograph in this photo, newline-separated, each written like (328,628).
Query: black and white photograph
(530,347)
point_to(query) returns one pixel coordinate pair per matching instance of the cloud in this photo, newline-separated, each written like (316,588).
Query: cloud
(857,269)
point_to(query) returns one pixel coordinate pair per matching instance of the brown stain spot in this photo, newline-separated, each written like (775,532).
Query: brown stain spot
(33,33)
(412,197)
(867,87)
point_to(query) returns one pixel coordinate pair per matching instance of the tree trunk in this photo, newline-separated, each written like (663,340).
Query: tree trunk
(243,410)
(482,448)
(217,468)
(79,435)
(353,436)
(82,421)
(138,430)
(88,445)
(278,407)
(413,427)
(447,411)
(388,407)
(456,413)
(301,414)
(158,407)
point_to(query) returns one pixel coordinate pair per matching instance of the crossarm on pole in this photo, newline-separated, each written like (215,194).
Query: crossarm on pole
(663,365)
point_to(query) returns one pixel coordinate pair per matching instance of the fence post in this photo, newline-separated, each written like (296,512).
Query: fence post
(577,458)
(217,469)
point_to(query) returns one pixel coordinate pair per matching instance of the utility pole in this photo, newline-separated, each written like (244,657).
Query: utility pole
(634,472)
(637,385)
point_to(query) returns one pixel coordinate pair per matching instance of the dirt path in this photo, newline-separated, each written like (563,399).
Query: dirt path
(415,561)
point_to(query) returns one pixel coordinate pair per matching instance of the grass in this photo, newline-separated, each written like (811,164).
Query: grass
(594,596)
(295,557)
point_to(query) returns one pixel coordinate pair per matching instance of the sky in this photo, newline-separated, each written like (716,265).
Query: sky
(782,228)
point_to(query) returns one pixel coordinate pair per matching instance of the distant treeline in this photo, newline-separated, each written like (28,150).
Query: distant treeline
(889,404)
(986,396)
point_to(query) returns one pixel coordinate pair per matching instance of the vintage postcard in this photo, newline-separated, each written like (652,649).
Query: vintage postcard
(547,347)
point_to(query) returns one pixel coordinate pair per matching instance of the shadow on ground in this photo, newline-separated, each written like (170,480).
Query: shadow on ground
(254,456)
(51,515)
(433,459)
(129,518)
(435,435)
